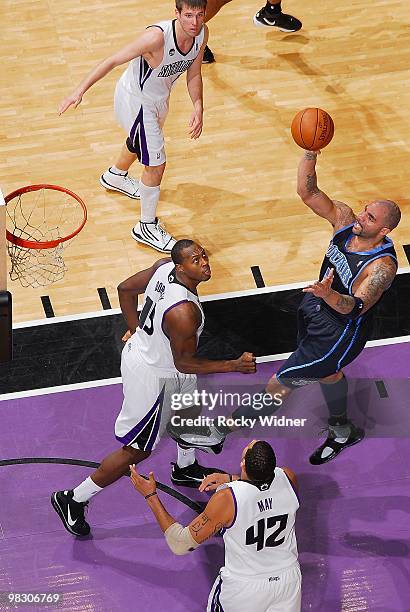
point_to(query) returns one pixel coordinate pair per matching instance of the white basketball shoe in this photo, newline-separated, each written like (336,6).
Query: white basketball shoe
(119,182)
(154,235)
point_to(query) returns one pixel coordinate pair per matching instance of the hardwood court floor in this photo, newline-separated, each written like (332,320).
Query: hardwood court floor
(234,189)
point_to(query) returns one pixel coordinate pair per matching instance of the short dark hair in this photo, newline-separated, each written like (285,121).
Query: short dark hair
(193,4)
(393,213)
(260,462)
(179,246)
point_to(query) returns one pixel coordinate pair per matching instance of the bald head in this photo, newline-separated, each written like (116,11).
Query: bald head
(392,213)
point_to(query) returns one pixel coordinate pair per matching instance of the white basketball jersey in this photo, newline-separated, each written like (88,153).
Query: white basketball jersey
(163,293)
(261,540)
(154,84)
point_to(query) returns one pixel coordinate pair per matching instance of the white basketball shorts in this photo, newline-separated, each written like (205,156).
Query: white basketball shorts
(147,405)
(143,123)
(281,592)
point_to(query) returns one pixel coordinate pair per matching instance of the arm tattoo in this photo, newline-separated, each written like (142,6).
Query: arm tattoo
(345,303)
(201,522)
(311,185)
(218,528)
(345,214)
(310,155)
(380,280)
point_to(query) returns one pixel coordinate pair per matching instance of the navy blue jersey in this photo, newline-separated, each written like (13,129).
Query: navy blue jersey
(347,265)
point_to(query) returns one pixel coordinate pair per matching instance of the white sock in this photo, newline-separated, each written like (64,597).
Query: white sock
(186,456)
(116,170)
(149,201)
(86,490)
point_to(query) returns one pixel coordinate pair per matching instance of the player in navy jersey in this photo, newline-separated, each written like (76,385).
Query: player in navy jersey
(336,314)
(156,59)
(269,16)
(255,512)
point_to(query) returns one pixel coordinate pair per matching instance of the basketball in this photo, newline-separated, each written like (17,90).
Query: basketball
(312,129)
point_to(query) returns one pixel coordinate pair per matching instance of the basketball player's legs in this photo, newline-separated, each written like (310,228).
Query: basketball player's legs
(146,138)
(187,472)
(145,142)
(136,427)
(324,346)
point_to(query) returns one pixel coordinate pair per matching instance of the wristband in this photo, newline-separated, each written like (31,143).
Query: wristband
(150,495)
(357,308)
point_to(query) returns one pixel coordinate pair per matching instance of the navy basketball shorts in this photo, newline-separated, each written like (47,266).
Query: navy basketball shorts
(326,343)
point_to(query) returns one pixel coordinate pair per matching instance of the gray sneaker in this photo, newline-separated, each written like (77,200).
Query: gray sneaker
(123,183)
(154,235)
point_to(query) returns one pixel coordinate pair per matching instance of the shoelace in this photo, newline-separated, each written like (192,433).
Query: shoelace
(162,229)
(131,181)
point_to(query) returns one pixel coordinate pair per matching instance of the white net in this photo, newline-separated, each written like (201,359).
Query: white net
(36,268)
(41,222)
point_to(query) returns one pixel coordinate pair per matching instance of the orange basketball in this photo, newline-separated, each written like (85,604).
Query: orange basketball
(312,129)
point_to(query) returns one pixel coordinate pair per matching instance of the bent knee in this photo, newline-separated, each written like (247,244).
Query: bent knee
(333,378)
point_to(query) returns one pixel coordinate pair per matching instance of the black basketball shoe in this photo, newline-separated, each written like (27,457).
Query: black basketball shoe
(192,475)
(334,444)
(70,512)
(208,56)
(268,18)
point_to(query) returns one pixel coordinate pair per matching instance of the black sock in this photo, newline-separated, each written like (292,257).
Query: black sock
(336,399)
(273,8)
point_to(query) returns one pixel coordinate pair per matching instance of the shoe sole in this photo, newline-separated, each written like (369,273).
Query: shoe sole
(138,238)
(330,458)
(212,449)
(192,484)
(109,187)
(60,513)
(265,25)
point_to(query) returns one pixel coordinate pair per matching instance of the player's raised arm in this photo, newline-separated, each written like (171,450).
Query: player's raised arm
(337,213)
(181,324)
(149,42)
(131,288)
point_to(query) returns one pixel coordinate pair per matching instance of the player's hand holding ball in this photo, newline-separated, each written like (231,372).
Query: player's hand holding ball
(312,129)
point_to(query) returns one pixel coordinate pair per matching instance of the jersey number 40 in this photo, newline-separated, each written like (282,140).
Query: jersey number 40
(146,318)
(262,526)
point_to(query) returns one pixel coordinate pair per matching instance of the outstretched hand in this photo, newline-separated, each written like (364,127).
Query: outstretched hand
(73,99)
(321,289)
(143,485)
(213,481)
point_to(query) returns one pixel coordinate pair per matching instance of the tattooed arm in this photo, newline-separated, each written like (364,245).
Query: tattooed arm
(380,275)
(219,513)
(337,213)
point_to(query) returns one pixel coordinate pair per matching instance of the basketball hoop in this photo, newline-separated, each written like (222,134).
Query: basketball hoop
(42,220)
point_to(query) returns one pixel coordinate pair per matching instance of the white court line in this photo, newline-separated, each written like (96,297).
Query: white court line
(116,381)
(203,298)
